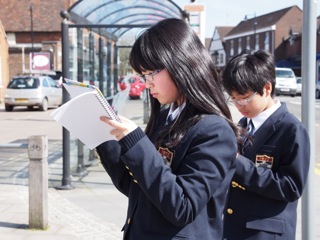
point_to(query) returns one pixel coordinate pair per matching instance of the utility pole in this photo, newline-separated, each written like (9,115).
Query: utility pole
(32,37)
(255,23)
(255,31)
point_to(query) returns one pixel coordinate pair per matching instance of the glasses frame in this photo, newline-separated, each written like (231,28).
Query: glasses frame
(149,77)
(243,102)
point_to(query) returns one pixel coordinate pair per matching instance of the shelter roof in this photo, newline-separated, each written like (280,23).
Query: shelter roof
(122,12)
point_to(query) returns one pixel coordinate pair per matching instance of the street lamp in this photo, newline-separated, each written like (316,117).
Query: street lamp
(254,28)
(32,36)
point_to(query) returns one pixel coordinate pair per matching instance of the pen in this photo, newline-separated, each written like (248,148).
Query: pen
(81,84)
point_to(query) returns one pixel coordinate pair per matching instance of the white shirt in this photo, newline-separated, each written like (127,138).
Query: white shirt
(175,111)
(263,116)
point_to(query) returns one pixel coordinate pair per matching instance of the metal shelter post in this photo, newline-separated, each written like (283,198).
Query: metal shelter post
(309,38)
(109,69)
(66,176)
(81,171)
(80,54)
(115,69)
(101,63)
(91,59)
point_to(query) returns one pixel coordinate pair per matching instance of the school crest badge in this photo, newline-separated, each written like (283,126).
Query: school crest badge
(264,161)
(167,155)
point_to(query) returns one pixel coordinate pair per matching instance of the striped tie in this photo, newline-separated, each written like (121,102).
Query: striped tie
(169,119)
(250,128)
(247,142)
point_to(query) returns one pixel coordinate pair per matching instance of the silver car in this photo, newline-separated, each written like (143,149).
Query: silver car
(286,82)
(31,91)
(299,85)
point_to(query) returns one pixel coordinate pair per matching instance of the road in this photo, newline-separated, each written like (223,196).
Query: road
(22,123)
(294,106)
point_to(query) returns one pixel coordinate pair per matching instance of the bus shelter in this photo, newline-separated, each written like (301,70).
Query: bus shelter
(91,32)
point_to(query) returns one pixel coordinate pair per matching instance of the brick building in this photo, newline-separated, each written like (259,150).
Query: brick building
(292,46)
(32,26)
(4,61)
(269,32)
(279,32)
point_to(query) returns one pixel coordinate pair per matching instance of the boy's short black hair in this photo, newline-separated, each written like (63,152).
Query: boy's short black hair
(249,71)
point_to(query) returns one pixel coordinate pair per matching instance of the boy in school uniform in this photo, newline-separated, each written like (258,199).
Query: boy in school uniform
(272,167)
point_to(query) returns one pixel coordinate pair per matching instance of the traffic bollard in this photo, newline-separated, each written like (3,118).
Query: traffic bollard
(38,182)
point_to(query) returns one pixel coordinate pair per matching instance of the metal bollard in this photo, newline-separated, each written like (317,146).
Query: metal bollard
(81,170)
(38,182)
(146,108)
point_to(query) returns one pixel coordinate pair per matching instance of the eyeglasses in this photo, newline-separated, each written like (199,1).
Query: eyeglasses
(149,77)
(243,102)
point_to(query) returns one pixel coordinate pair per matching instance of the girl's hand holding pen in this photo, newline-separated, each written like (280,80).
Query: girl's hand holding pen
(121,129)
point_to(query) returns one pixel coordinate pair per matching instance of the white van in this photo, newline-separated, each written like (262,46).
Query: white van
(286,82)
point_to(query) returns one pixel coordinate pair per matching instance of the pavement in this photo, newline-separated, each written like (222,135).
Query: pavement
(90,209)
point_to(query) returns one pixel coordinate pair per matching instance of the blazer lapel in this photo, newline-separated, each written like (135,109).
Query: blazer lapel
(268,128)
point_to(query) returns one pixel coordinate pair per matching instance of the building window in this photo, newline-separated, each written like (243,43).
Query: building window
(231,48)
(248,43)
(267,42)
(221,58)
(239,45)
(215,56)
(256,47)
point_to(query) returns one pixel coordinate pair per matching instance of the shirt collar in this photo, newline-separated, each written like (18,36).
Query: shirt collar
(263,116)
(175,111)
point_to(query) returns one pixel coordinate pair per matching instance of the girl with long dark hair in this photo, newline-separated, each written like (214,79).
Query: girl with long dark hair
(177,173)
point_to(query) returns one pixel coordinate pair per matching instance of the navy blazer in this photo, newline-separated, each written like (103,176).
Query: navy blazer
(176,193)
(269,180)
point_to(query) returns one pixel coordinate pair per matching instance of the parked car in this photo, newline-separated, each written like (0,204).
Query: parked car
(56,76)
(137,87)
(299,86)
(31,91)
(318,90)
(286,82)
(122,84)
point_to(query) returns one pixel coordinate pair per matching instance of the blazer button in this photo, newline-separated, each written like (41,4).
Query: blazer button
(127,167)
(136,181)
(129,220)
(229,211)
(234,184)
(131,174)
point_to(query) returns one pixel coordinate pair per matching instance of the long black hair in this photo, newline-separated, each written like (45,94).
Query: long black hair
(172,45)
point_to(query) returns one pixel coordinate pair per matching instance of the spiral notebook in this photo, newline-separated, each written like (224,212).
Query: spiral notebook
(81,114)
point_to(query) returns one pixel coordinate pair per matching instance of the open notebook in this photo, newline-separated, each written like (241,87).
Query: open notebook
(81,114)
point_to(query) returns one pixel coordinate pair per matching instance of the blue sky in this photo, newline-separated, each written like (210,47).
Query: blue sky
(231,12)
